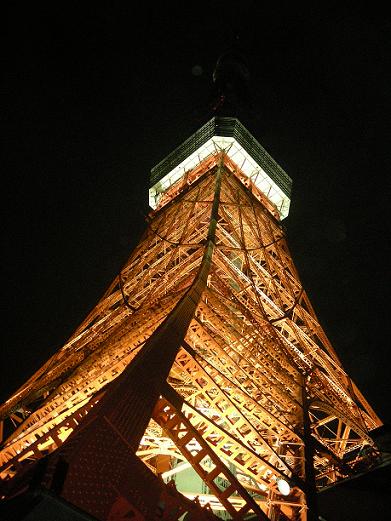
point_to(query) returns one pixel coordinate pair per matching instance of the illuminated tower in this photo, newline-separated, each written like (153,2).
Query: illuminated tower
(203,366)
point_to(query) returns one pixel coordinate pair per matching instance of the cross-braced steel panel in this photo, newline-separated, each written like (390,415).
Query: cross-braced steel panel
(223,361)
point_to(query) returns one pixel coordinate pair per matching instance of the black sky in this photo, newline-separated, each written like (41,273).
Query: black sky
(94,99)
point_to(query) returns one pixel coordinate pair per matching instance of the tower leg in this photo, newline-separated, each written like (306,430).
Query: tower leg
(311,494)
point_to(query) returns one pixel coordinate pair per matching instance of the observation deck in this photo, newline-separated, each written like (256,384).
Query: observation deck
(228,134)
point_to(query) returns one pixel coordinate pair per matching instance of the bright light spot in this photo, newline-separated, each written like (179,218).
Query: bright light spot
(283,487)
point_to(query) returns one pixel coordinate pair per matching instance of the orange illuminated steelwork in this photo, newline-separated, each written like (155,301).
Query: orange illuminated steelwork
(223,362)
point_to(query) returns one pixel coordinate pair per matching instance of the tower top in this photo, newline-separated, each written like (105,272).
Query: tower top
(228,134)
(231,79)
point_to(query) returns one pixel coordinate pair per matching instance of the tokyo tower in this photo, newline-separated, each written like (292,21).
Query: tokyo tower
(201,386)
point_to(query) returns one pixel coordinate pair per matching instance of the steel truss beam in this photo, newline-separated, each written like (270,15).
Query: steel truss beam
(215,249)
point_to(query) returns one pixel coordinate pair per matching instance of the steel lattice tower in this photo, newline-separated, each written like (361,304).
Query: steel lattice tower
(203,364)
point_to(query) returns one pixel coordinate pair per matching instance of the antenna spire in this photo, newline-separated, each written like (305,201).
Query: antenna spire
(231,79)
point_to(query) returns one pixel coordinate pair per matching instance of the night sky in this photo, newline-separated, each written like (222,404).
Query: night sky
(94,99)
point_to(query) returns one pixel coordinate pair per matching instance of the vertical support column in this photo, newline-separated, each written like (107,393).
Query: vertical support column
(310,487)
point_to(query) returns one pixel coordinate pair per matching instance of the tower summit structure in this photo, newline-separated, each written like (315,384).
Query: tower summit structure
(202,383)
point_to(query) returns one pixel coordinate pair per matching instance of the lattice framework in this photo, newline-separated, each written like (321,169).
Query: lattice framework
(234,395)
